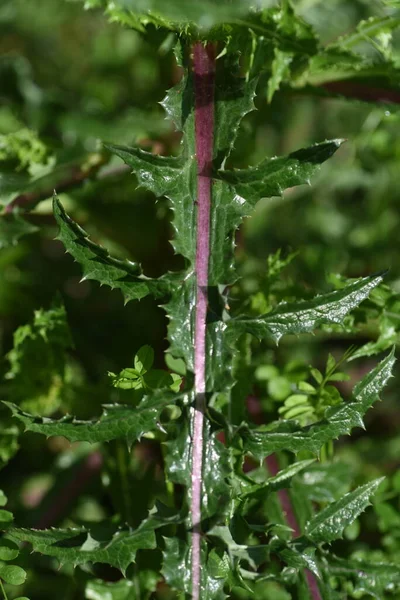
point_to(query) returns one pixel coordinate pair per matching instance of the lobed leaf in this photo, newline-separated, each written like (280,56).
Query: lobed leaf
(273,175)
(97,545)
(97,264)
(305,316)
(338,420)
(118,421)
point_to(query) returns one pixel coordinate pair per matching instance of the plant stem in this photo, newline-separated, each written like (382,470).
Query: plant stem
(3,590)
(204,78)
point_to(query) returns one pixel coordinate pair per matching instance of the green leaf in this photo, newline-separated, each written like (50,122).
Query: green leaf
(328,525)
(281,480)
(3,498)
(38,359)
(177,14)
(9,434)
(8,550)
(305,316)
(375,579)
(103,542)
(97,264)
(12,228)
(6,517)
(216,492)
(99,544)
(280,70)
(273,175)
(12,574)
(118,421)
(144,359)
(326,482)
(338,420)
(176,567)
(366,30)
(177,570)
(101,590)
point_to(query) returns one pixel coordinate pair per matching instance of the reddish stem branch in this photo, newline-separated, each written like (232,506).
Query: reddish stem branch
(204,77)
(272,465)
(360,91)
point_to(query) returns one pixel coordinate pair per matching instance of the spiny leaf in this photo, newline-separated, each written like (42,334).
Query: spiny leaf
(273,175)
(216,469)
(98,545)
(328,525)
(118,421)
(216,492)
(338,420)
(177,14)
(177,569)
(281,480)
(97,264)
(375,579)
(305,316)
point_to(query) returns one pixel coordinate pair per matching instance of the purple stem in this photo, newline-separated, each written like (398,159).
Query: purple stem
(204,77)
(284,499)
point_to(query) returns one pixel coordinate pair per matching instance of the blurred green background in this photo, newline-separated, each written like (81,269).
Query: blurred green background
(75,80)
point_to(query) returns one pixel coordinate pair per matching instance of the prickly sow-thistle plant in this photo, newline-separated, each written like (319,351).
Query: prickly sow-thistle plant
(229,529)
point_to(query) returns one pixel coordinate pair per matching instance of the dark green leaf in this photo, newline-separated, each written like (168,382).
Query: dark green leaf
(328,525)
(177,570)
(281,480)
(273,175)
(303,317)
(97,264)
(338,420)
(101,543)
(117,421)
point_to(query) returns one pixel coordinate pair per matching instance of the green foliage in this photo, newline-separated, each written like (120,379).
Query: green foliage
(329,524)
(116,422)
(143,376)
(37,361)
(338,420)
(24,148)
(130,504)
(9,551)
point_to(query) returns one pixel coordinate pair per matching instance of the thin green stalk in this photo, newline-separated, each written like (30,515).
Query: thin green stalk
(3,590)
